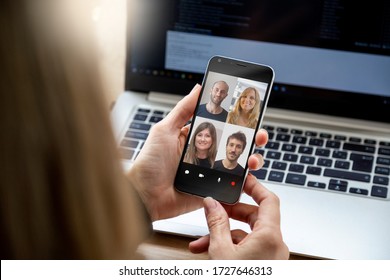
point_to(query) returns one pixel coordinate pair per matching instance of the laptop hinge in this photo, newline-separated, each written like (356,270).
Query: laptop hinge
(165,98)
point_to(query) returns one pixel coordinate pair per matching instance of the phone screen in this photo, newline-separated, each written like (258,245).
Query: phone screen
(228,114)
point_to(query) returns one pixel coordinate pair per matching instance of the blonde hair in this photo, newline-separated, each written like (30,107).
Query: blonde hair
(237,110)
(63,194)
(190,155)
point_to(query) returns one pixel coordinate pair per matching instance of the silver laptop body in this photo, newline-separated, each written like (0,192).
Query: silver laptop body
(329,116)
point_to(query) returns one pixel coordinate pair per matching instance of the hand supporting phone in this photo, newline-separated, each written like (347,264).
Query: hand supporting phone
(229,112)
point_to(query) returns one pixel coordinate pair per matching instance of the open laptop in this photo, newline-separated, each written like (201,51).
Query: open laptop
(328,157)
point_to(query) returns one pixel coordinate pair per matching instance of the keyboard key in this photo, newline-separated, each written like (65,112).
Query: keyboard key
(296,131)
(136,135)
(299,139)
(290,157)
(269,128)
(296,179)
(362,162)
(317,185)
(129,143)
(324,162)
(325,135)
(259,151)
(307,160)
(378,191)
(313,170)
(347,175)
(358,191)
(140,126)
(296,168)
(126,154)
(139,117)
(333,144)
(305,150)
(383,143)
(158,112)
(143,110)
(355,139)
(316,142)
(383,161)
(370,141)
(337,188)
(381,180)
(273,155)
(282,129)
(382,170)
(311,133)
(340,137)
(260,174)
(155,119)
(359,148)
(340,154)
(283,137)
(338,182)
(279,165)
(272,145)
(342,164)
(276,176)
(384,151)
(322,152)
(289,148)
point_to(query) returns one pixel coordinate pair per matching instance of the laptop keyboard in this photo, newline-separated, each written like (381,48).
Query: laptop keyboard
(298,156)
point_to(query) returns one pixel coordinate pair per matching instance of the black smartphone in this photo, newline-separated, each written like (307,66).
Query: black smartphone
(222,135)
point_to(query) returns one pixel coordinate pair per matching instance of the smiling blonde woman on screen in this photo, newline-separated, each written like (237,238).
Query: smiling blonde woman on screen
(246,109)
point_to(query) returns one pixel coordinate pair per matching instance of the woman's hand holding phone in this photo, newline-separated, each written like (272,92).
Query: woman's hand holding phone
(152,174)
(265,241)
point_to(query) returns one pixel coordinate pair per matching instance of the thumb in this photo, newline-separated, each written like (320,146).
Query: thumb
(218,223)
(184,109)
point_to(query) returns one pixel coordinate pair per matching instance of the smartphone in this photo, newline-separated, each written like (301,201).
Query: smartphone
(230,109)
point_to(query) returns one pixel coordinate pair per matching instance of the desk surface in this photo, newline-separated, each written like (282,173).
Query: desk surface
(160,246)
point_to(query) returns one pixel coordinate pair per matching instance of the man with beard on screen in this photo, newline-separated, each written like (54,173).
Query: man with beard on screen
(235,146)
(213,109)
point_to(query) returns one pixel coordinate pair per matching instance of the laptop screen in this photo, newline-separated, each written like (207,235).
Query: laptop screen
(330,56)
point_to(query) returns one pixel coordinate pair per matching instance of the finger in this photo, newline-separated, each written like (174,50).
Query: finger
(184,109)
(200,245)
(255,162)
(268,202)
(183,136)
(261,138)
(218,223)
(243,212)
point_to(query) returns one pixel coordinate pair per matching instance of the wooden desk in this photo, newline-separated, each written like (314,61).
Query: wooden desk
(162,246)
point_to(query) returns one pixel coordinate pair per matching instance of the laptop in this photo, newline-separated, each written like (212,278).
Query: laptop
(328,156)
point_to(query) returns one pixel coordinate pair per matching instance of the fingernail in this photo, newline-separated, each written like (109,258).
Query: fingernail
(209,204)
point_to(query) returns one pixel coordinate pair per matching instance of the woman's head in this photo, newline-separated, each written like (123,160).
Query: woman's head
(247,104)
(249,100)
(203,143)
(203,140)
(63,193)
